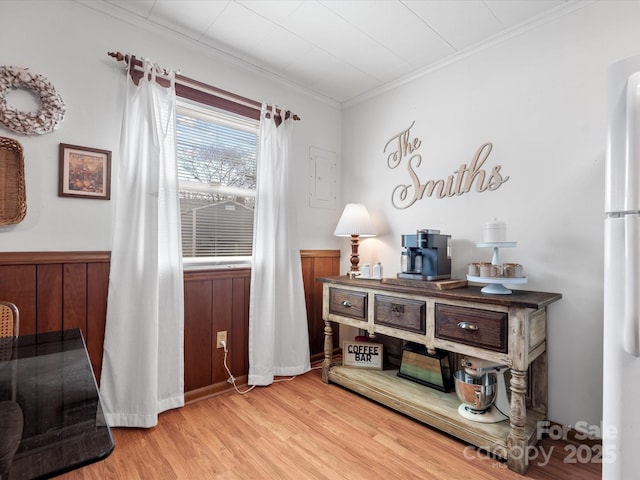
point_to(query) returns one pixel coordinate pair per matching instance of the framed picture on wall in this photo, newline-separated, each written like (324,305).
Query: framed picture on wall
(84,172)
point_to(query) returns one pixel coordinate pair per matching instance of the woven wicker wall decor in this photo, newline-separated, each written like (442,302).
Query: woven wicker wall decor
(48,116)
(13,198)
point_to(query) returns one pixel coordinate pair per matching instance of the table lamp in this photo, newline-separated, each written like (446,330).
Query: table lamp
(354,223)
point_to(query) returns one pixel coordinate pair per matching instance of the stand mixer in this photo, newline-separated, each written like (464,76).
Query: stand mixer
(481,388)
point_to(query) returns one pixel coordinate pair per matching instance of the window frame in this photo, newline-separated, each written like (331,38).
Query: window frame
(198,109)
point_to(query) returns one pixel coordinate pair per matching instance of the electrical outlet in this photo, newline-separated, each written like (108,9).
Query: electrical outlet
(221,337)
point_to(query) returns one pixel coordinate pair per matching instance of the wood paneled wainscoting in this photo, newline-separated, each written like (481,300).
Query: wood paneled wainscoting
(215,300)
(59,291)
(62,290)
(316,264)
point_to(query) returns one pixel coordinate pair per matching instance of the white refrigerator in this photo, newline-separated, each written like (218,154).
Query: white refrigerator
(621,337)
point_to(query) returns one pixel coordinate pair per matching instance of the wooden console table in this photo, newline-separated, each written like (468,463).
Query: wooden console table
(511,330)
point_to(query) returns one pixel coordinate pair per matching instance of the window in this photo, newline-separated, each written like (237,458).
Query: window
(216,155)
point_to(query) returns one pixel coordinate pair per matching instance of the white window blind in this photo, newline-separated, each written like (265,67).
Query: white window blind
(216,154)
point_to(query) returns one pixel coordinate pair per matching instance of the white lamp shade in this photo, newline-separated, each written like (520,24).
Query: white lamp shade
(355,220)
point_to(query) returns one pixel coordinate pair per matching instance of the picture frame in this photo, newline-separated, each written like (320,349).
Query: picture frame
(84,172)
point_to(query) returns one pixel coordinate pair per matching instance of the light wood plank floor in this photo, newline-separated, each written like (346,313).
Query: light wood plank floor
(304,429)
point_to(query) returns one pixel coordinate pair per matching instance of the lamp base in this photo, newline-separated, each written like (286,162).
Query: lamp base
(355,259)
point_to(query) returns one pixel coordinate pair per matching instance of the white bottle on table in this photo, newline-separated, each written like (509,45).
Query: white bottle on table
(377,270)
(365,271)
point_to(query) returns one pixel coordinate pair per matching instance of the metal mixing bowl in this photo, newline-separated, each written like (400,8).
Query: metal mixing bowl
(477,393)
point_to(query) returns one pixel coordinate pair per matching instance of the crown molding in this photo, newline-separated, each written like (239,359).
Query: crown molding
(207,50)
(517,30)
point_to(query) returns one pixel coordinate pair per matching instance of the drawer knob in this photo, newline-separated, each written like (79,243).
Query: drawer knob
(397,309)
(468,326)
(347,303)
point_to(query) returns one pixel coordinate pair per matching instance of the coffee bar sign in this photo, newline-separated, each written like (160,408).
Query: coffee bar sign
(403,148)
(362,354)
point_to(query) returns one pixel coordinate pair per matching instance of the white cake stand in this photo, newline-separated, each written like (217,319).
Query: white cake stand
(496,284)
(496,249)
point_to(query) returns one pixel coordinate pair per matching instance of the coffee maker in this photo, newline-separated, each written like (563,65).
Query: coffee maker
(426,256)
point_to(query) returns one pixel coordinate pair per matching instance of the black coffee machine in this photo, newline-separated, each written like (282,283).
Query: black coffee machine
(426,256)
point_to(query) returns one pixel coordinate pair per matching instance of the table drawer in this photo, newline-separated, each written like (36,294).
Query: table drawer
(401,313)
(348,303)
(471,326)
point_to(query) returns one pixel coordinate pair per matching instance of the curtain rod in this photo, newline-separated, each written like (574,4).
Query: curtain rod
(195,84)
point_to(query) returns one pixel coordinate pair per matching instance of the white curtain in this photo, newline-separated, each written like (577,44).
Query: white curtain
(278,335)
(143,362)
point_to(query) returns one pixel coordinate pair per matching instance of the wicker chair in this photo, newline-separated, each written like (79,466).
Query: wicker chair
(9,326)
(9,320)
(11,417)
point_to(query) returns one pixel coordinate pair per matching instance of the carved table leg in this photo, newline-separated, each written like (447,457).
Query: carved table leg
(517,441)
(328,350)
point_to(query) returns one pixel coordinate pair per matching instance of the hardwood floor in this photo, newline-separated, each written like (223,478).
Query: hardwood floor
(304,429)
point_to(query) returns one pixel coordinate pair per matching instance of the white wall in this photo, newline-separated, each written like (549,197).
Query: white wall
(539,97)
(67,42)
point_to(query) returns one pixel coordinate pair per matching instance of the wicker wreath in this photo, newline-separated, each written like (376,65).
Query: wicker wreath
(48,116)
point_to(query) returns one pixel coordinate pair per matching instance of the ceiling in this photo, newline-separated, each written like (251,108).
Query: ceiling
(341,49)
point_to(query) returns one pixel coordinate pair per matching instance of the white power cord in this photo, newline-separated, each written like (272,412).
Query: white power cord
(232,379)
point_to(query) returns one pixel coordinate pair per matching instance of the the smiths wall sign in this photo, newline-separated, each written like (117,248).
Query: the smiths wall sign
(402,148)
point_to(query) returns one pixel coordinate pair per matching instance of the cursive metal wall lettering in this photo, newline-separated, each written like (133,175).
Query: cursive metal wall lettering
(401,146)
